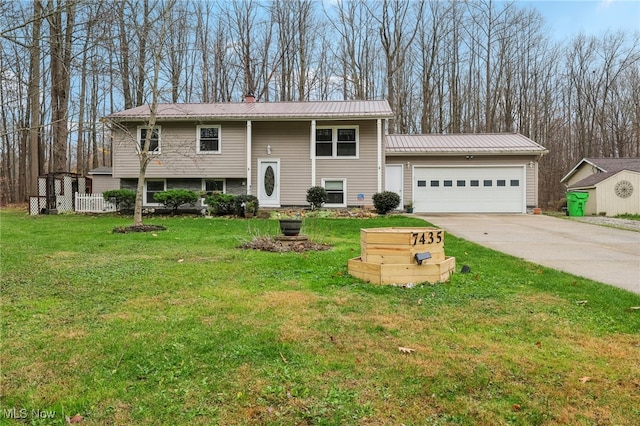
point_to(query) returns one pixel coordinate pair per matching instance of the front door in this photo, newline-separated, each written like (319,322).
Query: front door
(269,183)
(393,180)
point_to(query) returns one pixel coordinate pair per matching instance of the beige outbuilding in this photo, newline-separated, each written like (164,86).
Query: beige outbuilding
(613,185)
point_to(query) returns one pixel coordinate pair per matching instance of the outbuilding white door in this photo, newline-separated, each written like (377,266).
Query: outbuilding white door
(481,189)
(269,183)
(393,180)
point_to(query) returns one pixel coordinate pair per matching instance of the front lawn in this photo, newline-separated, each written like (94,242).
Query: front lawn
(183,327)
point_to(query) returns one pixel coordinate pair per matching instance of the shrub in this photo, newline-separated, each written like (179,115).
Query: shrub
(246,204)
(385,201)
(316,196)
(124,199)
(174,198)
(221,204)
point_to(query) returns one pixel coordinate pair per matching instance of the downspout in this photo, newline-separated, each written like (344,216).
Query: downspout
(379,122)
(312,152)
(248,157)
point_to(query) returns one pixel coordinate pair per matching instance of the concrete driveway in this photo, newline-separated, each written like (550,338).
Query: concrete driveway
(603,254)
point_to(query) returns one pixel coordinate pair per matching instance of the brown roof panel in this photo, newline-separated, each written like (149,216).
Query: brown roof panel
(615,164)
(490,143)
(604,165)
(261,110)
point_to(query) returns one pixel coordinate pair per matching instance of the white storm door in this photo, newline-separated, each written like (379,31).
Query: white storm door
(393,180)
(269,183)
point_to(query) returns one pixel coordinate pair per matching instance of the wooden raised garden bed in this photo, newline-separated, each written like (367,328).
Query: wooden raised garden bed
(388,256)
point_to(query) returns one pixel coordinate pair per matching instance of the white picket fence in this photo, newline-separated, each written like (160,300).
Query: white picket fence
(93,203)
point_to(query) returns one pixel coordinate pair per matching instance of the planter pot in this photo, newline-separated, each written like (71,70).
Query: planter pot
(290,227)
(409,209)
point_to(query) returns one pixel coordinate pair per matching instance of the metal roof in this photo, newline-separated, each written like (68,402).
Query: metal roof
(455,144)
(102,170)
(260,111)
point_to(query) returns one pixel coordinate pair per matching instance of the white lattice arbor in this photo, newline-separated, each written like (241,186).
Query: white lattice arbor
(56,193)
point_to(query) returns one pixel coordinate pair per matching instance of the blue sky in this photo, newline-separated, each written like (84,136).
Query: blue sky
(566,18)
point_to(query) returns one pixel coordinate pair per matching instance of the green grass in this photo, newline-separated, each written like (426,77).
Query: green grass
(183,327)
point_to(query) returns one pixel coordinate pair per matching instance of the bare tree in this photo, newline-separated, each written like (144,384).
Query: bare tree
(61,25)
(398,25)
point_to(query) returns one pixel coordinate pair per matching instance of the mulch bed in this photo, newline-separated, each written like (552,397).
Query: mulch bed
(272,245)
(138,228)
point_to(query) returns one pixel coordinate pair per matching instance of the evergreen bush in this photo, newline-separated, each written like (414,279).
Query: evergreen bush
(174,198)
(316,196)
(385,201)
(124,199)
(221,204)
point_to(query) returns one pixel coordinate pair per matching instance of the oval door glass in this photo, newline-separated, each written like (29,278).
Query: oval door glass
(269,181)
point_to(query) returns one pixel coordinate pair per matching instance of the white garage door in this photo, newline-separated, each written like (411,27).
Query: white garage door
(469,189)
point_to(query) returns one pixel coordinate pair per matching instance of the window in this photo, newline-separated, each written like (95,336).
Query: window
(346,142)
(515,182)
(461,183)
(208,139)
(209,186)
(501,182)
(434,183)
(474,182)
(422,183)
(337,142)
(448,183)
(488,182)
(324,142)
(154,143)
(336,192)
(213,185)
(152,187)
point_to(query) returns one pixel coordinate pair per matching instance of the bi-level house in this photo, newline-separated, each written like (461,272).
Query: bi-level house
(275,151)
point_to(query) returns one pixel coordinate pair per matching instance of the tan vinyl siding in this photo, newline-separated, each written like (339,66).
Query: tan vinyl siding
(531,172)
(178,157)
(101,183)
(362,173)
(289,143)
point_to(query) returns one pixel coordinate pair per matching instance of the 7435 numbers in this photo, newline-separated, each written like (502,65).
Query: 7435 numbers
(426,237)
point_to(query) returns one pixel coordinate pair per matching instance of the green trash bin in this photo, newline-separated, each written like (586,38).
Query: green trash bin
(576,201)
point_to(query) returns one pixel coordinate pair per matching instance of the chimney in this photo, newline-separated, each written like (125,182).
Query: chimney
(249,98)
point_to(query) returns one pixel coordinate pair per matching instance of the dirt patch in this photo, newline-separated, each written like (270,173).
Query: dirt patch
(138,228)
(273,245)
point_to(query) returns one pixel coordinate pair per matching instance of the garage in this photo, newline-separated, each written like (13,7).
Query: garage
(469,189)
(464,173)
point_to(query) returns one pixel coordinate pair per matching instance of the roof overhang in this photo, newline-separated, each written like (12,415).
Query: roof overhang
(462,153)
(262,111)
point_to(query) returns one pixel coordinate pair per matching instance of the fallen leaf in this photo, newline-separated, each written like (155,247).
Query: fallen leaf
(585,379)
(516,407)
(406,350)
(75,419)
(180,260)
(154,235)
(538,344)
(419,301)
